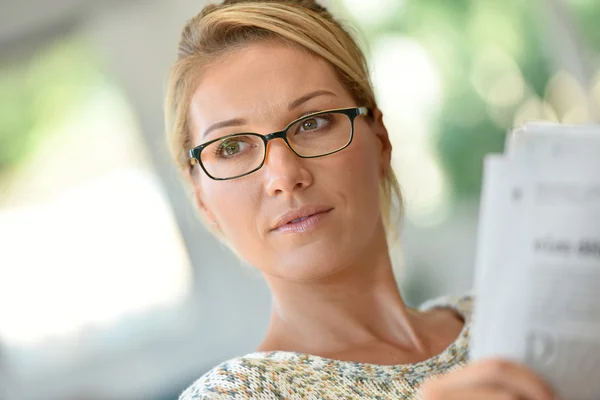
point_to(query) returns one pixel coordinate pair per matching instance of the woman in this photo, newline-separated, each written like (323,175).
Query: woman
(273,120)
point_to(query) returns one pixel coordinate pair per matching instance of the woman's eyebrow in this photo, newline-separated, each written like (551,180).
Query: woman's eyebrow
(224,124)
(294,104)
(308,96)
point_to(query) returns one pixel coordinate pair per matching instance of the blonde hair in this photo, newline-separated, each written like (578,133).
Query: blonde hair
(220,29)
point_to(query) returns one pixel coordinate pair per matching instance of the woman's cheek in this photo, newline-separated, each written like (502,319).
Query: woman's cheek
(236,211)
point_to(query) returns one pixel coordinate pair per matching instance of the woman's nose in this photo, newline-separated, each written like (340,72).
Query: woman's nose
(285,171)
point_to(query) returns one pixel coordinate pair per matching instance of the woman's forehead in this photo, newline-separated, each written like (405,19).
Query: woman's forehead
(257,79)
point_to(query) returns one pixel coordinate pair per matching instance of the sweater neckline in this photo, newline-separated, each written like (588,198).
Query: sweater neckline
(455,353)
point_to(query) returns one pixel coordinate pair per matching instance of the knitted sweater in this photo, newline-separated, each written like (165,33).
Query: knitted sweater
(288,375)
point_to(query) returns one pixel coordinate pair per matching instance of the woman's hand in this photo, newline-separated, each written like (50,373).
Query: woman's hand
(489,380)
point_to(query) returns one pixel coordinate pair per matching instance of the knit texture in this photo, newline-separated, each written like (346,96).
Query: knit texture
(288,375)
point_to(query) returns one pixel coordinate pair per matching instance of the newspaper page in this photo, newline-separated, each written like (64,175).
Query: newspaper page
(538,259)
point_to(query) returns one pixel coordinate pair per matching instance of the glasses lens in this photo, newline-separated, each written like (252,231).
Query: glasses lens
(320,134)
(233,156)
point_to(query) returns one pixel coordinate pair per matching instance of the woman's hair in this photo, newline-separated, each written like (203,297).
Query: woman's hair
(220,29)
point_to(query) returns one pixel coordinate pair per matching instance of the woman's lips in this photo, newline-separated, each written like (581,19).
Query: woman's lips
(302,221)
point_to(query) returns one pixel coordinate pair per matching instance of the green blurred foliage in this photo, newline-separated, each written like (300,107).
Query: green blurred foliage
(16,119)
(466,129)
(587,17)
(456,34)
(37,95)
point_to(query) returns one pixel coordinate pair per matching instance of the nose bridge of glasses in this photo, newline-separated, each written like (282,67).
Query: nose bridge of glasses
(276,135)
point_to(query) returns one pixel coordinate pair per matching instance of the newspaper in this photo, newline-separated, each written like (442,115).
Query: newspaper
(537,279)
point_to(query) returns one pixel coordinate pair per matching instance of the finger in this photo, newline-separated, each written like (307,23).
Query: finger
(503,374)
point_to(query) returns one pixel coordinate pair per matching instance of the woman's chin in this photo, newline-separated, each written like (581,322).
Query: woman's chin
(311,263)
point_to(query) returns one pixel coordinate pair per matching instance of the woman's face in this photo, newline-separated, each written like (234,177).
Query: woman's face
(337,193)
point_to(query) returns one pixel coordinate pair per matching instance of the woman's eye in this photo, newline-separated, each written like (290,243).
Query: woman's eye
(230,148)
(313,123)
(310,124)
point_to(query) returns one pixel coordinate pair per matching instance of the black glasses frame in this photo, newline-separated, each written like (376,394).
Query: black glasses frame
(351,113)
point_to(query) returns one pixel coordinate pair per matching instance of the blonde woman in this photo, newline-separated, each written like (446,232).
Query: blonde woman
(272,119)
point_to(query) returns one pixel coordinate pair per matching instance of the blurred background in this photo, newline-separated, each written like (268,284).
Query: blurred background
(109,286)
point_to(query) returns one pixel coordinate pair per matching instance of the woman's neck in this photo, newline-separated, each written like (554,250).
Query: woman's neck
(356,307)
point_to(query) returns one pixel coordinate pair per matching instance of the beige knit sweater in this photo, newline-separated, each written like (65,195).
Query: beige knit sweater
(287,375)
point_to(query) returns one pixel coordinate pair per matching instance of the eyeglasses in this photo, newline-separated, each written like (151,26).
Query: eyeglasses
(314,135)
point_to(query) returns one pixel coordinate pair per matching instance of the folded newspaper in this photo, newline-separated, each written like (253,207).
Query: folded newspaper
(538,260)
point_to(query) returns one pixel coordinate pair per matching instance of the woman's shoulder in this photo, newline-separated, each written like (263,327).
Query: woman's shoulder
(237,378)
(461,304)
(276,374)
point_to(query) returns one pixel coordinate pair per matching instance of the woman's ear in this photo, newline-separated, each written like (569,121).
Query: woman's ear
(384,140)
